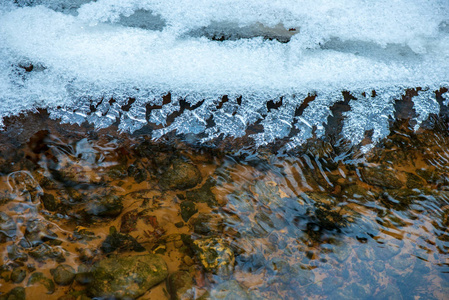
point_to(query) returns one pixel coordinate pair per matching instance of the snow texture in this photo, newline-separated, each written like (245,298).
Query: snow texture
(227,64)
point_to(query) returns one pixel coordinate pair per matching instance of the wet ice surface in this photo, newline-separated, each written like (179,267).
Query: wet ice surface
(326,222)
(223,63)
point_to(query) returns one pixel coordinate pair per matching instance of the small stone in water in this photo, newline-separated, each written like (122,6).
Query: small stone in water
(63,274)
(39,278)
(215,255)
(414,181)
(188,260)
(7,228)
(18,275)
(16,254)
(180,176)
(50,202)
(121,242)
(179,285)
(381,177)
(188,209)
(107,206)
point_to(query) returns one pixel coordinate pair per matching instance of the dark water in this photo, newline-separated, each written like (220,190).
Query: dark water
(324,222)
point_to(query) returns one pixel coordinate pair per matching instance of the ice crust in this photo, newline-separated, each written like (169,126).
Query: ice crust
(85,53)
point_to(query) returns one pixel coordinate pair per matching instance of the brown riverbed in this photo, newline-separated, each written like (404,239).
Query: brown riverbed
(323,222)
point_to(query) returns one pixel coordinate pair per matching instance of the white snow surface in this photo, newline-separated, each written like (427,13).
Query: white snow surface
(83,51)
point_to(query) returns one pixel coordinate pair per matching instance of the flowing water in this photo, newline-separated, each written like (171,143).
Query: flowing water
(323,222)
(228,149)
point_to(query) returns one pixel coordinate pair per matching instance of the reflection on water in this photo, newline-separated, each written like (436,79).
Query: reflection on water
(102,215)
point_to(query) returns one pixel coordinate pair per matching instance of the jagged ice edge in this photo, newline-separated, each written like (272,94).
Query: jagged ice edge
(213,118)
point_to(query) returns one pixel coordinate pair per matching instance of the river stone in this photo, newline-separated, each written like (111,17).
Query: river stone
(17,293)
(107,206)
(414,181)
(50,202)
(16,254)
(8,228)
(180,175)
(63,274)
(38,278)
(179,285)
(215,255)
(188,209)
(121,242)
(381,177)
(18,275)
(126,277)
(203,194)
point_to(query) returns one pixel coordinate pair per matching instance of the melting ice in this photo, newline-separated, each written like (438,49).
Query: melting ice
(73,56)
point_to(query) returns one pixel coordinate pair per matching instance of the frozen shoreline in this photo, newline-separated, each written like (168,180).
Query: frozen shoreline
(85,53)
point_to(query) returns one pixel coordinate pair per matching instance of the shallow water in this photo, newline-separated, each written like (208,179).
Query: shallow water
(324,222)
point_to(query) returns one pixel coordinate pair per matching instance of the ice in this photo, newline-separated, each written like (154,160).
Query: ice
(370,112)
(227,64)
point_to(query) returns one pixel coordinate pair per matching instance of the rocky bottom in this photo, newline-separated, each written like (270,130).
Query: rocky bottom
(95,214)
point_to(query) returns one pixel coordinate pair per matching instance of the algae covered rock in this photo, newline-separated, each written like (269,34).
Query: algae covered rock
(180,175)
(126,276)
(17,293)
(63,274)
(381,176)
(39,278)
(414,181)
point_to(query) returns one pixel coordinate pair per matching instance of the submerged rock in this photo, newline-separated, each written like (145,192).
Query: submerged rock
(381,176)
(36,233)
(18,275)
(107,206)
(83,276)
(188,209)
(399,198)
(179,285)
(39,278)
(63,274)
(8,228)
(205,224)
(121,242)
(215,255)
(78,172)
(180,175)
(17,293)
(138,172)
(203,194)
(126,277)
(414,181)
(15,253)
(50,202)
(44,252)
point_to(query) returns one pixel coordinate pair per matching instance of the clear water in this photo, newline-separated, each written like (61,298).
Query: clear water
(324,222)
